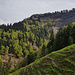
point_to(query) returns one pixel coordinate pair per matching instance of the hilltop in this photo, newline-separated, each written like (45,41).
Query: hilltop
(61,62)
(58,18)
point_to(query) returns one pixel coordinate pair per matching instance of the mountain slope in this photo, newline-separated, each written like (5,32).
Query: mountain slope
(59,19)
(61,62)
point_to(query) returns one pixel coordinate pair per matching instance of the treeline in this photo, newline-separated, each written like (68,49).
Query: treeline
(64,37)
(15,42)
(23,39)
(20,41)
(56,14)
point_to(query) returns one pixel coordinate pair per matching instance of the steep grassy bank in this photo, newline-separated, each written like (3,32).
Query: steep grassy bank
(61,62)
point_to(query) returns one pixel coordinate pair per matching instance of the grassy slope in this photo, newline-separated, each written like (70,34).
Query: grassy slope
(61,62)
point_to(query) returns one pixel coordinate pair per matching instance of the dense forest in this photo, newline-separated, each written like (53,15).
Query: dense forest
(34,38)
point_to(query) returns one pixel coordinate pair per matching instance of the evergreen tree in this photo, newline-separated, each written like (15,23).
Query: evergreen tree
(51,42)
(70,40)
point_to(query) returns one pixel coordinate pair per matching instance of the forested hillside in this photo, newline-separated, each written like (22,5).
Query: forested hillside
(21,45)
(58,18)
(27,41)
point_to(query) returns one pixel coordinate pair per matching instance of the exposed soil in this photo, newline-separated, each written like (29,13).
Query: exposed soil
(14,60)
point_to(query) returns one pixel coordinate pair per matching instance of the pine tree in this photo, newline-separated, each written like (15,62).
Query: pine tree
(50,44)
(70,40)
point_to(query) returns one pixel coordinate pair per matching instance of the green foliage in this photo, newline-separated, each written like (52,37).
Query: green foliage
(51,42)
(4,67)
(70,40)
(49,24)
(63,38)
(6,50)
(37,23)
(2,51)
(43,50)
(30,21)
(1,66)
(23,63)
(18,42)
(55,63)
(40,33)
(25,27)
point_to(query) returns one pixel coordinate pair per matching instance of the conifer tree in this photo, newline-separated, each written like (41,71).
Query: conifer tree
(51,41)
(70,40)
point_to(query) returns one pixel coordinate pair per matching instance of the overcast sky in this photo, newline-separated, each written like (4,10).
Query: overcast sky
(16,10)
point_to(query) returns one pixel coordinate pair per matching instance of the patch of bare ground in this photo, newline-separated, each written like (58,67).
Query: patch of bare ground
(14,61)
(55,29)
(54,62)
(35,48)
(47,74)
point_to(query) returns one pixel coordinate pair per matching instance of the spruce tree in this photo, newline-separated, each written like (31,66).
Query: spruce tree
(51,41)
